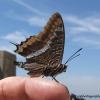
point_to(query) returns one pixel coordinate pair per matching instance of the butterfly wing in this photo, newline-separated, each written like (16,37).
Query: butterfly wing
(46,48)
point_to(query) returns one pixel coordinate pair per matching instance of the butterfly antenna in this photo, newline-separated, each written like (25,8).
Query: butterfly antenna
(72,58)
(74,55)
(14,43)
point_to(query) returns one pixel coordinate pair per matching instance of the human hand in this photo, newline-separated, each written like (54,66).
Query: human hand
(18,88)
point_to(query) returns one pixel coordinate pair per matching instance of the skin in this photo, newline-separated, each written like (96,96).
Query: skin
(19,88)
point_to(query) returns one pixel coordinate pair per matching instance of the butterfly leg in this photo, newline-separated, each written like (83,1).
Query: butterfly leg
(19,64)
(55,79)
(42,76)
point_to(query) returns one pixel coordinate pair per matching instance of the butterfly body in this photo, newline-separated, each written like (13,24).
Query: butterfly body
(44,52)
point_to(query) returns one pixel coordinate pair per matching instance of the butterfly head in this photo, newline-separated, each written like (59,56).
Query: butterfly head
(64,67)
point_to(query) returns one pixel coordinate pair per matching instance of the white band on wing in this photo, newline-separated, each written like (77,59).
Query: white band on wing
(38,52)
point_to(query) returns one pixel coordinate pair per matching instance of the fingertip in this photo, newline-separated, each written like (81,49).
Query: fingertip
(37,88)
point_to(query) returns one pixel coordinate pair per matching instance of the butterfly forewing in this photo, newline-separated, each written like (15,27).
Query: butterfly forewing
(44,50)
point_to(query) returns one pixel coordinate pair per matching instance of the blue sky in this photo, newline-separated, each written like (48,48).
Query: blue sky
(21,18)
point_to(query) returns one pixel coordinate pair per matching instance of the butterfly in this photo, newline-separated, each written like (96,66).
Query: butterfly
(44,51)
